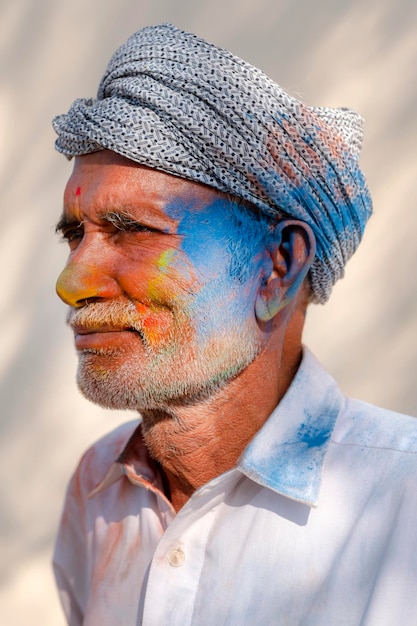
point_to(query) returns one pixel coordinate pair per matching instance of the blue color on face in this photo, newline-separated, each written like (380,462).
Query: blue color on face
(222,242)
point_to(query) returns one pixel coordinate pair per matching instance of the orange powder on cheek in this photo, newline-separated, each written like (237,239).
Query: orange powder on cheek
(154,324)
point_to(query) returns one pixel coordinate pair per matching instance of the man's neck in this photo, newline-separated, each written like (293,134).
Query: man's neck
(196,443)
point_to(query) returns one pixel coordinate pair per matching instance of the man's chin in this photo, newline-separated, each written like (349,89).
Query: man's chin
(122,397)
(115,393)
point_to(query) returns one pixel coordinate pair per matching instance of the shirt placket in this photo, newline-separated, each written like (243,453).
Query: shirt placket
(176,569)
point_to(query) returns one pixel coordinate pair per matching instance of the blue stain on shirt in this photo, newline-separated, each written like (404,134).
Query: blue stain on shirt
(288,452)
(314,434)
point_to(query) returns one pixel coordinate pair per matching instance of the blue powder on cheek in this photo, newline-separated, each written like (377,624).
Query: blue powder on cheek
(205,232)
(218,240)
(222,234)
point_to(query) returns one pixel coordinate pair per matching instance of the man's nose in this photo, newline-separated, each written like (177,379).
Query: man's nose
(78,283)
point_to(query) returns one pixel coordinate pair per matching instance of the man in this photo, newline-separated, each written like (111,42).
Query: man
(206,209)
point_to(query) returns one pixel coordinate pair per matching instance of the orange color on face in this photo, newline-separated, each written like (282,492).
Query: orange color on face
(75,281)
(154,324)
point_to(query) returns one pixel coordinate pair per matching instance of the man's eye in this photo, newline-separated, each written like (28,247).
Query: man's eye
(73,233)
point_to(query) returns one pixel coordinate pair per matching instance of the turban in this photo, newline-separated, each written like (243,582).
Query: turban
(176,103)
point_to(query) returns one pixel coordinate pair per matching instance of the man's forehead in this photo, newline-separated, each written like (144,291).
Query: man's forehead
(106,171)
(106,181)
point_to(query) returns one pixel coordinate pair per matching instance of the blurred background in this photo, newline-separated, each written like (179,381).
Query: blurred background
(337,53)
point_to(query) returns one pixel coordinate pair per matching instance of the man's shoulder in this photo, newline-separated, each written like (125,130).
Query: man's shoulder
(99,457)
(369,426)
(357,423)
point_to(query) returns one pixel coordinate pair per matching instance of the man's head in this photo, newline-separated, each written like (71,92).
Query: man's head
(201,198)
(178,104)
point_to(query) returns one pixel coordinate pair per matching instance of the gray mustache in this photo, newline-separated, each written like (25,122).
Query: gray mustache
(118,314)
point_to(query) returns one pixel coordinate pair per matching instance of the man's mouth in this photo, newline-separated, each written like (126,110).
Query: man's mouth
(102,336)
(116,324)
(87,330)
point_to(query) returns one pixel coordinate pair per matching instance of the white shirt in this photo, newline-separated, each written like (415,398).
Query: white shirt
(317,525)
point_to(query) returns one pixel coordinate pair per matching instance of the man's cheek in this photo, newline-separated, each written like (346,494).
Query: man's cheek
(155,324)
(163,298)
(174,280)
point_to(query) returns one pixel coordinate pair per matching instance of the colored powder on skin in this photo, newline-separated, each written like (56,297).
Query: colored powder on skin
(222,250)
(209,276)
(163,264)
(169,268)
(153,324)
(165,260)
(78,191)
(71,275)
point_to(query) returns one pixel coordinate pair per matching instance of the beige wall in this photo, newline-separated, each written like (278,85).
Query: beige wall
(359,54)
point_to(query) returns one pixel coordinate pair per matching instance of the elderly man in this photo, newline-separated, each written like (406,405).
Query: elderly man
(206,209)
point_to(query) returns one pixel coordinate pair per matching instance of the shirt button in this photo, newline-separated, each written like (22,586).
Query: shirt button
(176,557)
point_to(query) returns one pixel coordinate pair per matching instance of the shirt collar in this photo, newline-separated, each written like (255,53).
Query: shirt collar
(135,463)
(286,455)
(288,452)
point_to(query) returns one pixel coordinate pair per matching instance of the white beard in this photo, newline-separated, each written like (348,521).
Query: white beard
(179,372)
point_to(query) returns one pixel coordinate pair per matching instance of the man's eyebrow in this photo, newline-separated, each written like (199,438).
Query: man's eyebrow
(123,219)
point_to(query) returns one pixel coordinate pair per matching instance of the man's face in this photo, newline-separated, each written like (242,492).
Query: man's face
(161,311)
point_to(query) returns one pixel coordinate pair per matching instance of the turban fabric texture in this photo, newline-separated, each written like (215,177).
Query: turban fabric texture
(176,103)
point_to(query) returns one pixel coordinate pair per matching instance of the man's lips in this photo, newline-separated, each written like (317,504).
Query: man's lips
(100,336)
(87,330)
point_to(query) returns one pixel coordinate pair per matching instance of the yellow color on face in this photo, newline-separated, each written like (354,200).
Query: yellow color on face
(165,259)
(156,284)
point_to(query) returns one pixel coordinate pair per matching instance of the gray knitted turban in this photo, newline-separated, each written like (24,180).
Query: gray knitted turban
(176,103)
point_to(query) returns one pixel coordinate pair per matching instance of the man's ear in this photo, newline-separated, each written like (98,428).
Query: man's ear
(292,248)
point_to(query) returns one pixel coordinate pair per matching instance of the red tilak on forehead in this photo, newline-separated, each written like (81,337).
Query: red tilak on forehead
(78,191)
